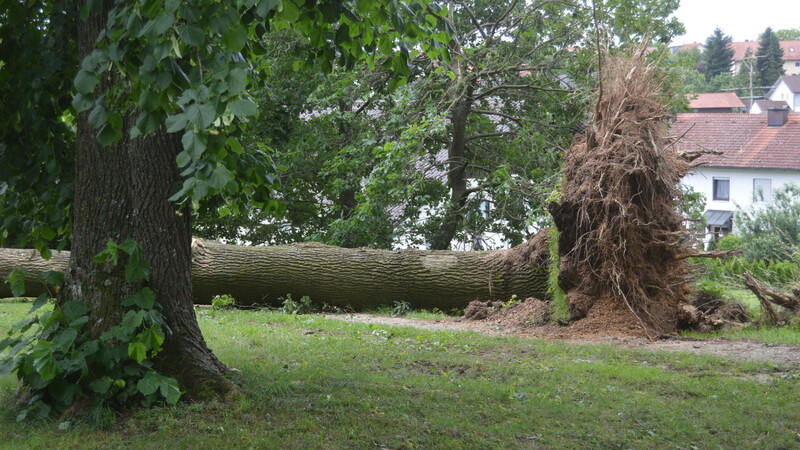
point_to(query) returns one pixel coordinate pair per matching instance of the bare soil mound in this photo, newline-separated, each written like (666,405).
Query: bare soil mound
(604,318)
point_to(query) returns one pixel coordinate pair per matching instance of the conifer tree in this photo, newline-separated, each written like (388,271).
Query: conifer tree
(769,58)
(718,56)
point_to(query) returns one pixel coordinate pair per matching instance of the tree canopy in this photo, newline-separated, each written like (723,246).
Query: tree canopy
(718,54)
(788,34)
(769,58)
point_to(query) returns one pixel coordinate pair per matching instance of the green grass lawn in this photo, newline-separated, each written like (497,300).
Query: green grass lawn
(309,382)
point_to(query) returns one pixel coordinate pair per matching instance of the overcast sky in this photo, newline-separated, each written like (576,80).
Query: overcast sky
(743,20)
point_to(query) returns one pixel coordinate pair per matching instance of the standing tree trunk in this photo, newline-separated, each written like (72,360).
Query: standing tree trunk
(121,192)
(457,173)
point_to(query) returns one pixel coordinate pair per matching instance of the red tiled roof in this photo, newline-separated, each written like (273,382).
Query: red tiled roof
(714,100)
(791,49)
(744,140)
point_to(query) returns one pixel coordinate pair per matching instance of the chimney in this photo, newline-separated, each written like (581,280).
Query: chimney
(777,117)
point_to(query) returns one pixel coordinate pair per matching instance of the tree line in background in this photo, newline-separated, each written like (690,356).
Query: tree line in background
(712,69)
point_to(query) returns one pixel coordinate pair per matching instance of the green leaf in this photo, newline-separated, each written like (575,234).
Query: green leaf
(39,302)
(79,322)
(183,159)
(265,6)
(234,145)
(176,122)
(289,11)
(149,383)
(162,23)
(85,82)
(82,102)
(237,81)
(17,281)
(193,143)
(109,255)
(144,299)
(64,339)
(192,35)
(152,337)
(169,390)
(243,108)
(98,116)
(220,177)
(137,352)
(109,134)
(201,115)
(100,385)
(44,362)
(235,38)
(74,309)
(136,269)
(53,277)
(130,246)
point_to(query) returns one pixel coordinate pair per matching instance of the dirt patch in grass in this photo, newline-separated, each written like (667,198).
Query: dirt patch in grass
(521,320)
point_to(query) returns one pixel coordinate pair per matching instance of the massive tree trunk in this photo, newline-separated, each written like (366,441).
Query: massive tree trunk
(121,192)
(346,277)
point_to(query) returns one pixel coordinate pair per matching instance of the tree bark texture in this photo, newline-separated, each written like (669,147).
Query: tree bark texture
(121,192)
(348,277)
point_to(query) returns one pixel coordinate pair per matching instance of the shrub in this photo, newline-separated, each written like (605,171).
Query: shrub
(302,306)
(60,362)
(773,231)
(401,309)
(730,242)
(222,301)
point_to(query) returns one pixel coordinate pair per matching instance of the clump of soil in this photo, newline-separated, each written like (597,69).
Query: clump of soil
(531,312)
(478,310)
(606,318)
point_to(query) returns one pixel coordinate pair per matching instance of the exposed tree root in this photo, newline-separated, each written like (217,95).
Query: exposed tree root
(621,236)
(769,298)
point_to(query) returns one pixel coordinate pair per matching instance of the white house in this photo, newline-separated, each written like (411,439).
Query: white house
(787,88)
(757,153)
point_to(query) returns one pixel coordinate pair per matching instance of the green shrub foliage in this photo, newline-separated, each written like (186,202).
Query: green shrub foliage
(773,231)
(59,362)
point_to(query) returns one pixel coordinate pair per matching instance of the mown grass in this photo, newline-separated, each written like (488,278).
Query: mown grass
(310,382)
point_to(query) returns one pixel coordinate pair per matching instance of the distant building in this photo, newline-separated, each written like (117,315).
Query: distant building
(757,154)
(791,55)
(787,89)
(761,106)
(717,102)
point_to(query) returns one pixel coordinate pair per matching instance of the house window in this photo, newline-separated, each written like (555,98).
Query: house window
(722,189)
(762,190)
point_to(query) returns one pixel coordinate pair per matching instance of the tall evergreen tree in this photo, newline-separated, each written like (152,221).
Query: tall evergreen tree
(718,56)
(769,58)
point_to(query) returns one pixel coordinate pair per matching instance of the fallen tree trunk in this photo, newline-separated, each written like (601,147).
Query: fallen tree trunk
(339,276)
(767,297)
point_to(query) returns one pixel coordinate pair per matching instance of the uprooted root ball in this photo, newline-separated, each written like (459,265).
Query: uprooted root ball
(621,237)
